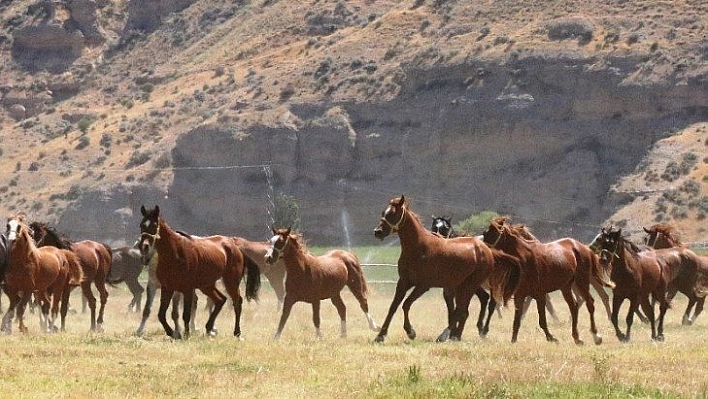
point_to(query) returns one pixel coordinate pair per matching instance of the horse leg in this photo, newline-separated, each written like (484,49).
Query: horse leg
(276,278)
(525,306)
(91,299)
(47,323)
(21,311)
(550,308)
(541,307)
(137,290)
(219,300)
(288,303)
(176,305)
(66,293)
(10,314)
(316,318)
(103,296)
(490,309)
(573,306)
(483,297)
(463,298)
(402,287)
(699,308)
(342,310)
(449,297)
(648,308)
(686,321)
(187,299)
(414,295)
(358,290)
(590,306)
(518,315)
(604,297)
(165,298)
(663,306)
(633,306)
(149,298)
(192,323)
(616,304)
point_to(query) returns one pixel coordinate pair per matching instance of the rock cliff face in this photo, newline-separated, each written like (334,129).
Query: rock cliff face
(479,136)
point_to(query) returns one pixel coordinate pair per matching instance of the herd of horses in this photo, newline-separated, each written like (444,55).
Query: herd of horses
(505,263)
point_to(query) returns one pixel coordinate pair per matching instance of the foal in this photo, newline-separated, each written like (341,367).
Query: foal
(313,278)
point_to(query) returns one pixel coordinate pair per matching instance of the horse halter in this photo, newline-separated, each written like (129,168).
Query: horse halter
(500,233)
(649,240)
(276,250)
(152,237)
(396,226)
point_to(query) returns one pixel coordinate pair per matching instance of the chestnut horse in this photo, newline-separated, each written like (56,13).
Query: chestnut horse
(546,267)
(45,272)
(313,278)
(460,265)
(149,260)
(187,263)
(275,273)
(95,259)
(637,274)
(661,236)
(443,226)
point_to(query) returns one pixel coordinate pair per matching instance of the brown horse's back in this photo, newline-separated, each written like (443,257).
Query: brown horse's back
(95,259)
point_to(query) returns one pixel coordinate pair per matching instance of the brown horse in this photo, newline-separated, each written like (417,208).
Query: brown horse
(44,272)
(95,259)
(428,260)
(313,278)
(187,263)
(661,236)
(637,274)
(275,273)
(546,267)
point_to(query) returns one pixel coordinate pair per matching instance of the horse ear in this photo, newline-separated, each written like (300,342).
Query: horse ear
(646,231)
(403,199)
(157,209)
(273,230)
(142,210)
(287,233)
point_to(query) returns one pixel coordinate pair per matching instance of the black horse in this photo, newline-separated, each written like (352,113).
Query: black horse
(4,258)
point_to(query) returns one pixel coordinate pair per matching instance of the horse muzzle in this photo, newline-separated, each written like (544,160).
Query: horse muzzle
(380,232)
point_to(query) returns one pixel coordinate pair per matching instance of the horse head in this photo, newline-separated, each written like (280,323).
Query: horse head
(443,226)
(149,231)
(606,244)
(661,236)
(277,245)
(15,226)
(496,230)
(392,218)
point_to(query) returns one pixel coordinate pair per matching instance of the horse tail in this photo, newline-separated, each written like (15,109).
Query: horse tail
(599,272)
(356,281)
(253,277)
(76,272)
(505,276)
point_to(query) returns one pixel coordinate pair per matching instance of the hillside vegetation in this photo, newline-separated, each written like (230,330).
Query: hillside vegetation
(565,115)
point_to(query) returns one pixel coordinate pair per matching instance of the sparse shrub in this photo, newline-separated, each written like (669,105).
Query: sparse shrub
(84,124)
(570,28)
(106,140)
(287,212)
(475,223)
(84,142)
(137,158)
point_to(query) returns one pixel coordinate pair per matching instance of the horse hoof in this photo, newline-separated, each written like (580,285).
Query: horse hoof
(659,338)
(686,321)
(552,339)
(597,339)
(579,342)
(444,336)
(411,334)
(455,338)
(213,333)
(380,339)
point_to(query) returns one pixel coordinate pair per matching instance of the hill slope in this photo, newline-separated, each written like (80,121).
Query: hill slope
(536,109)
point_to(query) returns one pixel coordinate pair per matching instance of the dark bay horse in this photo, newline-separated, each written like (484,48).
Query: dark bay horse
(313,278)
(95,259)
(187,263)
(45,272)
(661,236)
(546,267)
(428,260)
(126,268)
(636,275)
(443,226)
(149,261)
(4,259)
(275,273)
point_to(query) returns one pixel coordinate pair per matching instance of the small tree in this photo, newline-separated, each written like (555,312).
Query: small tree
(476,223)
(287,212)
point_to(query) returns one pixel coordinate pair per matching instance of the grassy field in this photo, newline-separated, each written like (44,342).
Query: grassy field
(117,363)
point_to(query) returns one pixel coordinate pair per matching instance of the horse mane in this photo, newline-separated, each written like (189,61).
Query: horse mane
(62,243)
(524,232)
(629,245)
(299,241)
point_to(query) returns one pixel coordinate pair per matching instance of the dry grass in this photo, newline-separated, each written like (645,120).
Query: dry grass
(116,363)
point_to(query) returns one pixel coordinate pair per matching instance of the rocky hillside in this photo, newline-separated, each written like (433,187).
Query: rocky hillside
(566,115)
